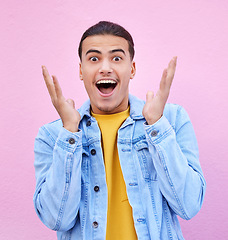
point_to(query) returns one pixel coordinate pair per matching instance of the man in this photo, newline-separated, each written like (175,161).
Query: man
(119,167)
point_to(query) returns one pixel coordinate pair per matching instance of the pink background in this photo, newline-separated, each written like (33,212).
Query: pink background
(47,32)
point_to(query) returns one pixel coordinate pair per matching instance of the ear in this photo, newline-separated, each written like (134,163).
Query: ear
(133,69)
(80,71)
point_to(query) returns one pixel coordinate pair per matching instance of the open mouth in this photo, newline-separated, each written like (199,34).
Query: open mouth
(106,87)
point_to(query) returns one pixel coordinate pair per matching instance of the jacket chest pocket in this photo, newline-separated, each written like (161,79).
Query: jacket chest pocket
(146,161)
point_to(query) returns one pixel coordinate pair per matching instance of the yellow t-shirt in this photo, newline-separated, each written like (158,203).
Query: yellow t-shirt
(120,223)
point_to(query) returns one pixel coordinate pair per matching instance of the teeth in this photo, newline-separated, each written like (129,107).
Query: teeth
(106,81)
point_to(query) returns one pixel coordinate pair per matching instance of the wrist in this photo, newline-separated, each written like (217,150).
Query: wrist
(71,127)
(151,121)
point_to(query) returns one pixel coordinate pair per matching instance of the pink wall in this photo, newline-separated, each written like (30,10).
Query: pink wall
(47,32)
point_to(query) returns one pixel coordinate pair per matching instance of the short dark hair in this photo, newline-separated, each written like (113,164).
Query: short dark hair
(108,28)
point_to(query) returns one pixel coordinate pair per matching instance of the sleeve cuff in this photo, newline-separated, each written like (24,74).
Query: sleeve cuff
(159,130)
(69,141)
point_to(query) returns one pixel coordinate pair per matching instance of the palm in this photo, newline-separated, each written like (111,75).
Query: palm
(65,108)
(154,106)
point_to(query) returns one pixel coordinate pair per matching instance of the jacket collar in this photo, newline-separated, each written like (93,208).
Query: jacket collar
(136,107)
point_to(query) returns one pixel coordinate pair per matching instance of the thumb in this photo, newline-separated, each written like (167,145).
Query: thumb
(149,96)
(71,102)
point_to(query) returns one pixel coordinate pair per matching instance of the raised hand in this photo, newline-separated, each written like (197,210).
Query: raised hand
(65,108)
(154,106)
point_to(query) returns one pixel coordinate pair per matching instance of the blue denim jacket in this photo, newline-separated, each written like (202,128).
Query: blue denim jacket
(159,163)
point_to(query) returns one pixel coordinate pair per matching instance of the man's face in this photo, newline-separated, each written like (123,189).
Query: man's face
(106,69)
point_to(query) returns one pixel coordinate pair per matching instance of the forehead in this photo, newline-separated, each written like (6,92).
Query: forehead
(104,43)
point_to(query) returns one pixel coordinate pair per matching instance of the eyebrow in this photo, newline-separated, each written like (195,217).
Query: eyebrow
(93,51)
(118,50)
(99,52)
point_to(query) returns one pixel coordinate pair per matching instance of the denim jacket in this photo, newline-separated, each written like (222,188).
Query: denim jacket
(160,166)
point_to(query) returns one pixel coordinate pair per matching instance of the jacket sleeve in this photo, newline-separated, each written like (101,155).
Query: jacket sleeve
(58,178)
(175,152)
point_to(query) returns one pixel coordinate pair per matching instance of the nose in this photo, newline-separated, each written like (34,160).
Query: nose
(105,67)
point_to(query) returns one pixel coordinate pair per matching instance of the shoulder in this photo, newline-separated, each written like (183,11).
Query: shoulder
(176,115)
(174,111)
(51,130)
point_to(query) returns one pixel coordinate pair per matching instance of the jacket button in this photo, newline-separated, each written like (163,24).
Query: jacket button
(154,133)
(96,188)
(93,151)
(72,141)
(95,224)
(88,123)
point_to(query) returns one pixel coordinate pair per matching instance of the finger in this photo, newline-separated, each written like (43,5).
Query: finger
(49,82)
(168,75)
(57,87)
(71,102)
(149,96)
(163,80)
(171,70)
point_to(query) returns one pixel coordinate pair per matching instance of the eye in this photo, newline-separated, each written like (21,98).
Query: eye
(117,59)
(94,59)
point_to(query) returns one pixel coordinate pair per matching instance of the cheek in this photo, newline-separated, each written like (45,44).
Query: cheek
(124,72)
(126,75)
(86,73)
(88,69)
(88,76)
(87,85)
